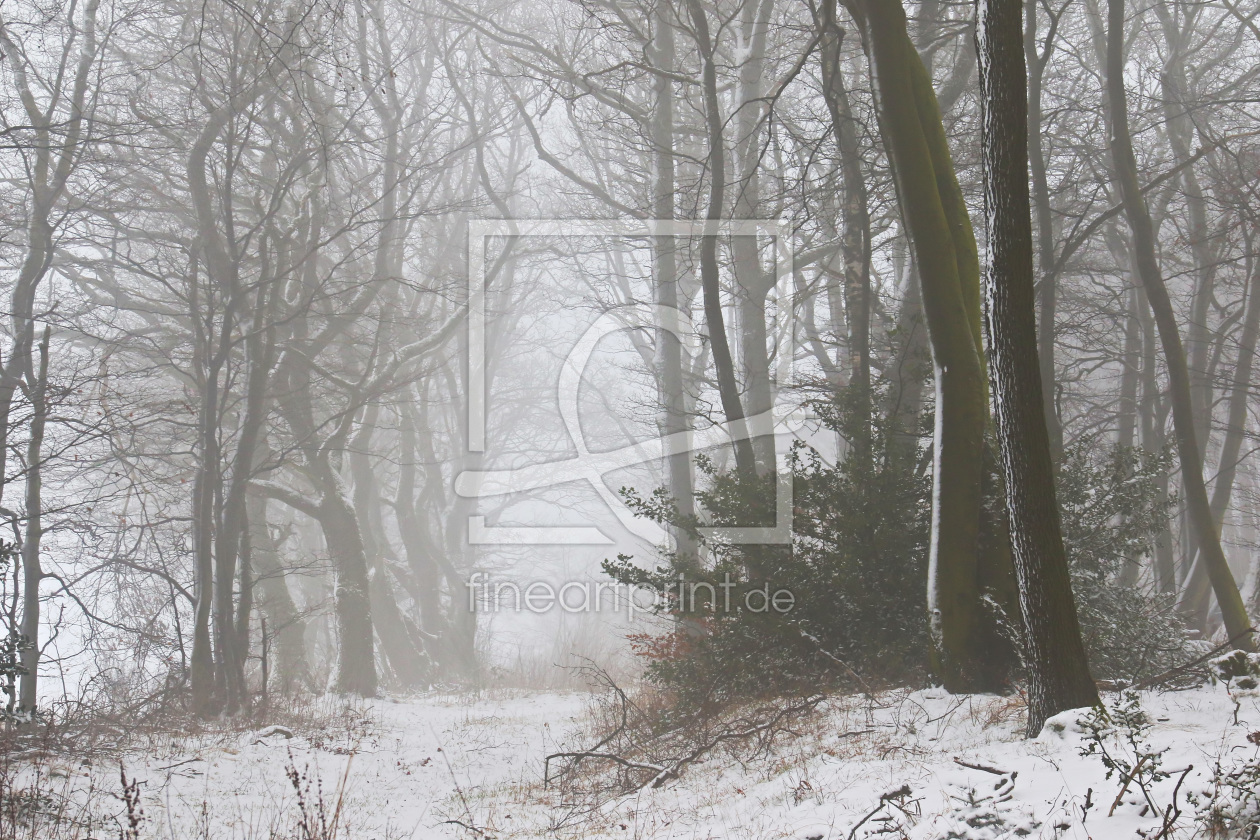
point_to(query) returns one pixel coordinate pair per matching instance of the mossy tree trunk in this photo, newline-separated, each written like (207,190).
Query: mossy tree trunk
(941,236)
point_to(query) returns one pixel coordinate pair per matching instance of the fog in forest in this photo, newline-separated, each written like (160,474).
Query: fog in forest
(568,399)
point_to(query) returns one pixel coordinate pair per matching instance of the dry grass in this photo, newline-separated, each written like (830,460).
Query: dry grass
(885,729)
(52,774)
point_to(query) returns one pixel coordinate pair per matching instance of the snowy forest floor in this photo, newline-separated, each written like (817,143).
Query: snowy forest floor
(918,765)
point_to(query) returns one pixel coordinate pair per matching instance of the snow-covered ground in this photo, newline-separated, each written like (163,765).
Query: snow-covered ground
(423,767)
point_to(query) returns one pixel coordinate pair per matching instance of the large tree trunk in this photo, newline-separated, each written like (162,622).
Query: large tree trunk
(1058,673)
(945,253)
(913,359)
(1233,610)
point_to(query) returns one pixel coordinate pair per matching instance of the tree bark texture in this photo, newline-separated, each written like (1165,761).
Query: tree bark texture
(1058,672)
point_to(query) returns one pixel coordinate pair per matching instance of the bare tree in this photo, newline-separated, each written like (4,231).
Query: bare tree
(1188,447)
(52,135)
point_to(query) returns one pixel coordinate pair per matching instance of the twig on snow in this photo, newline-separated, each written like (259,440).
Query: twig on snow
(982,768)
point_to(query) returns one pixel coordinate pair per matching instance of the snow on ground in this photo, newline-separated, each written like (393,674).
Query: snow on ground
(420,768)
